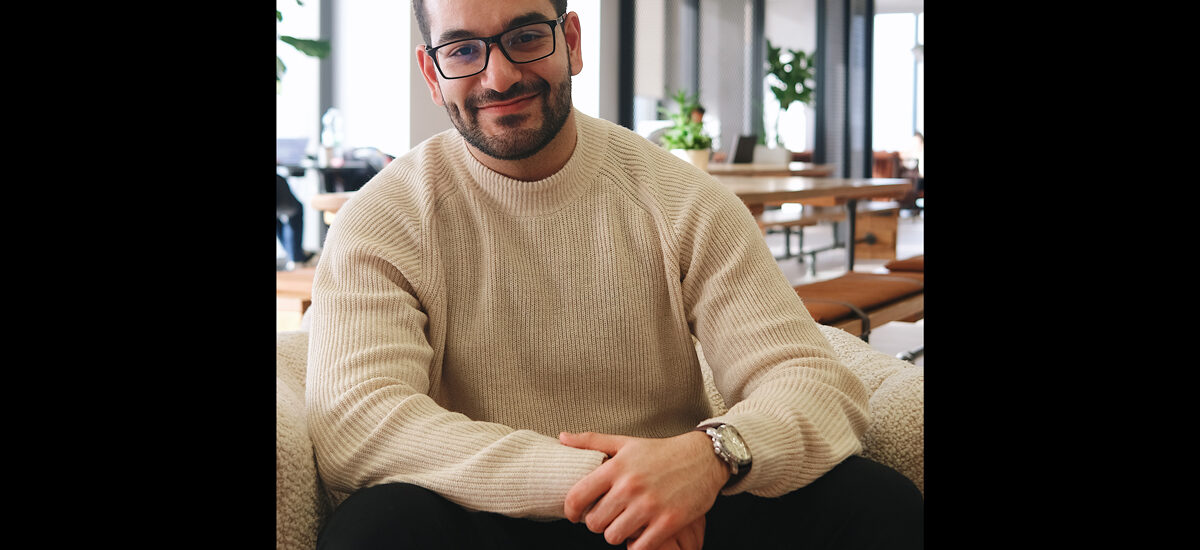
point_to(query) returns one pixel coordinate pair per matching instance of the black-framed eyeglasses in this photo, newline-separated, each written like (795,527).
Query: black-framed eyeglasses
(469,56)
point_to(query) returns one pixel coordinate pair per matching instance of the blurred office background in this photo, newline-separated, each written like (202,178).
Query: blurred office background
(869,93)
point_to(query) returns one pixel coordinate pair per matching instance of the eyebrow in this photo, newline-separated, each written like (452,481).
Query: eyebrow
(524,19)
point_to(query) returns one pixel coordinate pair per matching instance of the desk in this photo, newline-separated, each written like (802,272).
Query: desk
(806,169)
(757,191)
(330,202)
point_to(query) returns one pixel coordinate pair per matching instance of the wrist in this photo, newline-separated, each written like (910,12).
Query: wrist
(715,468)
(729,448)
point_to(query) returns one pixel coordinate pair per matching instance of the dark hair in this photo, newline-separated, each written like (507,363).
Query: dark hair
(560,7)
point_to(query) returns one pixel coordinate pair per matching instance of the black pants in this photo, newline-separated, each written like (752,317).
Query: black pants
(289,220)
(858,504)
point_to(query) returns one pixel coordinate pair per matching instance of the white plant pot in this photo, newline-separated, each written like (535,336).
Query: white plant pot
(697,157)
(771,155)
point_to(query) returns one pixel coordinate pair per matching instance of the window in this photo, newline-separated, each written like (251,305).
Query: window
(898,81)
(297,102)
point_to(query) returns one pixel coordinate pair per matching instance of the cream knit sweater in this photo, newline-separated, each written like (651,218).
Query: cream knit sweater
(462,319)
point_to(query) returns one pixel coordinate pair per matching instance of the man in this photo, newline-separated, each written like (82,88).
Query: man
(502,353)
(289,224)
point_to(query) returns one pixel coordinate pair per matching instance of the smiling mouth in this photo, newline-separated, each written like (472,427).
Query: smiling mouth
(508,106)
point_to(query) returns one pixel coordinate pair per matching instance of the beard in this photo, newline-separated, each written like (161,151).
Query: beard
(514,142)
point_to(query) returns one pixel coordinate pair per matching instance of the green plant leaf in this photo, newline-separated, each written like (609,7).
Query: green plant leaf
(312,48)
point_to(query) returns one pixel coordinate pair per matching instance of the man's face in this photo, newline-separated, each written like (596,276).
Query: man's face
(509,111)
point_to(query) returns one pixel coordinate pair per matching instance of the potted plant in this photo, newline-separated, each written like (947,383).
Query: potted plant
(309,47)
(791,83)
(686,137)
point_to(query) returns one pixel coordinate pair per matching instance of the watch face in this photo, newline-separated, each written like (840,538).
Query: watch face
(731,441)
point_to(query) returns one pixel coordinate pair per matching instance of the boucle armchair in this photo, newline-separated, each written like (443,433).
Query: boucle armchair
(895,437)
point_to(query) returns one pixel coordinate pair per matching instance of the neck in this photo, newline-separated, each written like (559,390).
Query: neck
(540,165)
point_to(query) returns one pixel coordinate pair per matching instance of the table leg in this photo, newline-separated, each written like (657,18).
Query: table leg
(851,210)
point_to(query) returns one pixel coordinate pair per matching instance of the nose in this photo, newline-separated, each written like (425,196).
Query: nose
(500,73)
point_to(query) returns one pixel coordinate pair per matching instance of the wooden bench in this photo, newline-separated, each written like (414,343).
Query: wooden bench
(876,228)
(915,264)
(856,301)
(293,296)
(786,221)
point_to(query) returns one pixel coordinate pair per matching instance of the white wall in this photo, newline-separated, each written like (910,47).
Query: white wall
(595,88)
(650,48)
(425,118)
(372,56)
(791,25)
(649,66)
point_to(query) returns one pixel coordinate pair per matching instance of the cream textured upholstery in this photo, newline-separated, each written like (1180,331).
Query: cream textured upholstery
(896,436)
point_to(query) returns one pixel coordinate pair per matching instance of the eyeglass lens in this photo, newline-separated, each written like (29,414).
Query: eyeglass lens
(522,45)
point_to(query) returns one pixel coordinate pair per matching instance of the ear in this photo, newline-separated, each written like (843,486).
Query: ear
(571,32)
(429,71)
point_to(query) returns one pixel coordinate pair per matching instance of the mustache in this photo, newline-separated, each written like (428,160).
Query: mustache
(518,89)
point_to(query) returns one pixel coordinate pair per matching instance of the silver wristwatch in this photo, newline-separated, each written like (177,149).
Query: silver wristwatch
(728,445)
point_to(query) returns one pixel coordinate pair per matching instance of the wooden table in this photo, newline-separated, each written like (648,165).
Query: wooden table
(330,202)
(293,296)
(762,177)
(758,191)
(807,169)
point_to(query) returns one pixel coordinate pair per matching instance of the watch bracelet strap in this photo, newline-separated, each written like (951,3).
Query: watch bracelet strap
(740,470)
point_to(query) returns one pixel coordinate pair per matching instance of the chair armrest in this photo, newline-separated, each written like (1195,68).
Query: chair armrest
(896,435)
(301,504)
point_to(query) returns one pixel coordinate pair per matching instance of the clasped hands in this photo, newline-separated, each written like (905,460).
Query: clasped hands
(652,493)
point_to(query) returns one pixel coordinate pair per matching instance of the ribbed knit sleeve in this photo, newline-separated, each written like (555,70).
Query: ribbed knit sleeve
(800,410)
(372,367)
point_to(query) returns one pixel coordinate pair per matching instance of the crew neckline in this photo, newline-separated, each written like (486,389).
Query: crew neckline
(548,195)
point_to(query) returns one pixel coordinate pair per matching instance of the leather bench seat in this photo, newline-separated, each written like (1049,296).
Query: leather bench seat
(915,263)
(827,300)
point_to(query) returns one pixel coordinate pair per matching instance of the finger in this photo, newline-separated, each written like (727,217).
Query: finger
(699,527)
(691,537)
(655,535)
(602,513)
(627,524)
(672,544)
(686,538)
(584,494)
(605,443)
(630,540)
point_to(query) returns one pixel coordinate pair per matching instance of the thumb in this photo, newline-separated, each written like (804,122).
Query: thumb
(605,443)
